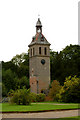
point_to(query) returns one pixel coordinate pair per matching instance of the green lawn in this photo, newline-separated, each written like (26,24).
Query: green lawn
(6,107)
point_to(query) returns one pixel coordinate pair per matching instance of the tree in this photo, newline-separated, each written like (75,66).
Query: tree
(15,73)
(8,79)
(21,97)
(70,92)
(4,90)
(22,82)
(9,65)
(22,63)
(71,58)
(53,55)
(65,63)
(18,59)
(55,87)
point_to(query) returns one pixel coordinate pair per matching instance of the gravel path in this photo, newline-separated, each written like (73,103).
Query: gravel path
(52,114)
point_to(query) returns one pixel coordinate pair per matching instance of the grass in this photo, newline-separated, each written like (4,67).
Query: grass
(57,102)
(6,107)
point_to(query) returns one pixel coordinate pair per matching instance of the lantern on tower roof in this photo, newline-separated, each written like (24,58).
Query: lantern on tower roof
(38,23)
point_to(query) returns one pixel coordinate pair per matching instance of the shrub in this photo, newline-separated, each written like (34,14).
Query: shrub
(70,92)
(33,97)
(54,90)
(45,91)
(40,97)
(21,97)
(48,98)
(10,93)
(37,97)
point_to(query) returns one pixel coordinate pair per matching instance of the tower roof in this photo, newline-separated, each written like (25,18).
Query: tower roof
(39,39)
(38,23)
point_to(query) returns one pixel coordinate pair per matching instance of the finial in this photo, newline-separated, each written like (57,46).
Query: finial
(38,17)
(38,22)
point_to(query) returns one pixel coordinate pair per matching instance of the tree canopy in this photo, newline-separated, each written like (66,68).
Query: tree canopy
(65,63)
(70,92)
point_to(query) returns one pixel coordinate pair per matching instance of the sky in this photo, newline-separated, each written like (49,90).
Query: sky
(18,19)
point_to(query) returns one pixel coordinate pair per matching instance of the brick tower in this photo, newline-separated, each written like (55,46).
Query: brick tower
(39,61)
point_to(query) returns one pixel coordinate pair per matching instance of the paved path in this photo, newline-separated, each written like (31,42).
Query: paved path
(55,103)
(52,114)
(0,116)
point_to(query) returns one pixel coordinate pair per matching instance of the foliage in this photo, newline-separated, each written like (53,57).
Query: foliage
(21,97)
(11,81)
(9,65)
(65,63)
(11,93)
(4,90)
(55,88)
(22,62)
(37,97)
(15,73)
(40,97)
(33,97)
(45,91)
(21,82)
(53,56)
(70,92)
(8,79)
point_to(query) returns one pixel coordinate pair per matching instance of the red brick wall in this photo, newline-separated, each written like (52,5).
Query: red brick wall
(33,84)
(41,85)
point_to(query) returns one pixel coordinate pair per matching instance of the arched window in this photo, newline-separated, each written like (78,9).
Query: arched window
(33,51)
(45,51)
(39,50)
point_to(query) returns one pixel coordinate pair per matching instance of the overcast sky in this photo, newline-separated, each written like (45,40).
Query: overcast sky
(18,19)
